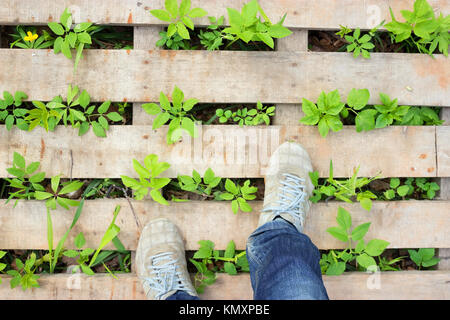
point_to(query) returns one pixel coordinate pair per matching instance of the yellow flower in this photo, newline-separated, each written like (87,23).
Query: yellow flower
(30,37)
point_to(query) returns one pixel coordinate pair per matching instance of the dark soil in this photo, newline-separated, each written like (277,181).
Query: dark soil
(328,41)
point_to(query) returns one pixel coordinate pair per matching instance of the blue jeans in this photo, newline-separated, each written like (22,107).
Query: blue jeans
(284,265)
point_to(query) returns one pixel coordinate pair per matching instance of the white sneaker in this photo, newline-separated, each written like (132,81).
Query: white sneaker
(160,261)
(288,185)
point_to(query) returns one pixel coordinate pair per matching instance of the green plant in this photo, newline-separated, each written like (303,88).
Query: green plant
(42,116)
(175,42)
(78,111)
(11,111)
(359,45)
(346,190)
(70,38)
(58,191)
(238,195)
(85,261)
(195,184)
(364,254)
(26,181)
(427,32)
(179,17)
(208,265)
(175,112)
(2,265)
(246,26)
(422,187)
(29,39)
(389,265)
(212,39)
(24,275)
(423,258)
(148,179)
(101,188)
(253,117)
(418,116)
(325,114)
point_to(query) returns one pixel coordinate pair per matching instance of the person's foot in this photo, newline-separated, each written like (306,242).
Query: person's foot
(288,185)
(161,262)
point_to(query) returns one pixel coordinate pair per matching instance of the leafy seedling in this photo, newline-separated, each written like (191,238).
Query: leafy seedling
(247,26)
(175,112)
(359,45)
(325,114)
(70,38)
(12,111)
(148,179)
(253,117)
(59,193)
(179,16)
(238,195)
(27,38)
(197,184)
(24,275)
(424,258)
(26,180)
(422,28)
(336,262)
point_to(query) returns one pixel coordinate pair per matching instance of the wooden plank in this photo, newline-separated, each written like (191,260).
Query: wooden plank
(405,224)
(444,254)
(249,76)
(320,14)
(231,151)
(443,150)
(144,38)
(402,285)
(290,114)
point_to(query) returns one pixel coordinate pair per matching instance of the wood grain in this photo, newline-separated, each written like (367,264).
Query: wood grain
(443,150)
(320,14)
(405,224)
(249,76)
(231,151)
(402,285)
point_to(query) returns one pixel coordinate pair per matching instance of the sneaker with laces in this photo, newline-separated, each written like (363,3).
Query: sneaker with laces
(288,185)
(160,261)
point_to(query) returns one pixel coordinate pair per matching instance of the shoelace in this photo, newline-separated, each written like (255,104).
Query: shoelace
(166,276)
(293,197)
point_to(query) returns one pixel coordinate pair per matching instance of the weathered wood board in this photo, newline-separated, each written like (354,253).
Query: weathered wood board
(320,14)
(443,150)
(405,224)
(402,285)
(227,76)
(231,151)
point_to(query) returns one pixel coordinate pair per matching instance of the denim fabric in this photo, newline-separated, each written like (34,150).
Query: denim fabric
(284,264)
(182,295)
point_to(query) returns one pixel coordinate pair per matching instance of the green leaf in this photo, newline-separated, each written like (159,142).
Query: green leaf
(151,108)
(182,31)
(156,195)
(230,268)
(84,37)
(104,107)
(189,104)
(344,218)
(197,13)
(278,31)
(114,116)
(231,187)
(360,231)
(55,183)
(160,120)
(365,120)
(376,247)
(394,183)
(161,15)
(402,190)
(336,269)
(71,187)
(98,129)
(39,195)
(56,28)
(18,160)
(230,250)
(80,241)
(365,260)
(338,233)
(358,99)
(323,127)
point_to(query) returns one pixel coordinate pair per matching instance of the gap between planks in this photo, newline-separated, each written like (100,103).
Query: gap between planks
(405,224)
(401,285)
